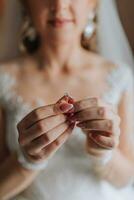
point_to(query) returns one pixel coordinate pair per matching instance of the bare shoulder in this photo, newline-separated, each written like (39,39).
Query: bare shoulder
(16,66)
(98,61)
(106,65)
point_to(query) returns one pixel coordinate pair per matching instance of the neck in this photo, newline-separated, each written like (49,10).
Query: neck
(60,57)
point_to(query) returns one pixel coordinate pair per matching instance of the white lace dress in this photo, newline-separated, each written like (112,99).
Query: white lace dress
(68,175)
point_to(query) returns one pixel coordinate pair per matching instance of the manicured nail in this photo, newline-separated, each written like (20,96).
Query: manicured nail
(101,111)
(72,110)
(64,107)
(109,125)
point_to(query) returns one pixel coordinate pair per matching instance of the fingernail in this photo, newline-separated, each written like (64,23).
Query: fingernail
(109,125)
(72,110)
(64,107)
(101,111)
(71,100)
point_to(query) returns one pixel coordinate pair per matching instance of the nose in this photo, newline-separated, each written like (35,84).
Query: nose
(59,5)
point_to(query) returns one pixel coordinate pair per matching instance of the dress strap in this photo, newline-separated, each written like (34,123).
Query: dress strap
(119,80)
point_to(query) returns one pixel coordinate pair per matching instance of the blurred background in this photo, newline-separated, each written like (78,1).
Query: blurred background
(113,33)
(126,12)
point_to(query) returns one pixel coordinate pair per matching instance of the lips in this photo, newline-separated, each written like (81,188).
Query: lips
(59,22)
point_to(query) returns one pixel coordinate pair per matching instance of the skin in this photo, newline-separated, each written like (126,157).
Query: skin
(48,120)
(59,50)
(43,131)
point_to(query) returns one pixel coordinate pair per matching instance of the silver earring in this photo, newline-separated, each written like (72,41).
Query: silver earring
(91,26)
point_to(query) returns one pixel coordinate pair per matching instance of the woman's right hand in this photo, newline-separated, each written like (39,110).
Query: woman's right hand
(43,131)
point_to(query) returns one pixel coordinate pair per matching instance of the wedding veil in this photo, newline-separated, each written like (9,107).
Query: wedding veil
(112,41)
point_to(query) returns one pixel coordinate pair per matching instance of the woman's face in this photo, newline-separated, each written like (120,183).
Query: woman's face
(60,19)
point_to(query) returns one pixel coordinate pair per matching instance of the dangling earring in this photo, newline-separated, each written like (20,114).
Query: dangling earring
(91,26)
(89,32)
(29,39)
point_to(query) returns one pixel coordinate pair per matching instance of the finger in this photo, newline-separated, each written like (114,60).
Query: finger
(42,113)
(93,148)
(104,133)
(38,144)
(93,114)
(66,98)
(86,103)
(40,128)
(93,102)
(101,125)
(104,142)
(54,146)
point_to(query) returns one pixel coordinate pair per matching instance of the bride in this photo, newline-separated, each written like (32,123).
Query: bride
(53,146)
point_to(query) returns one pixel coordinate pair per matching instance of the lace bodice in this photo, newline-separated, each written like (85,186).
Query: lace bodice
(119,80)
(71,168)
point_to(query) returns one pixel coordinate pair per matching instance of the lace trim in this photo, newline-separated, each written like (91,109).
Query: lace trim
(119,80)
(15,108)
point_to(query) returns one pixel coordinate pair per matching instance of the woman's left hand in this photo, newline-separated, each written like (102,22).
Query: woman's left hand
(101,124)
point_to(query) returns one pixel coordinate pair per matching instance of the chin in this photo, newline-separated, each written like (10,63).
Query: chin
(61,36)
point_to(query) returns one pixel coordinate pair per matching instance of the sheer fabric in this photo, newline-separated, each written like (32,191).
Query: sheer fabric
(68,175)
